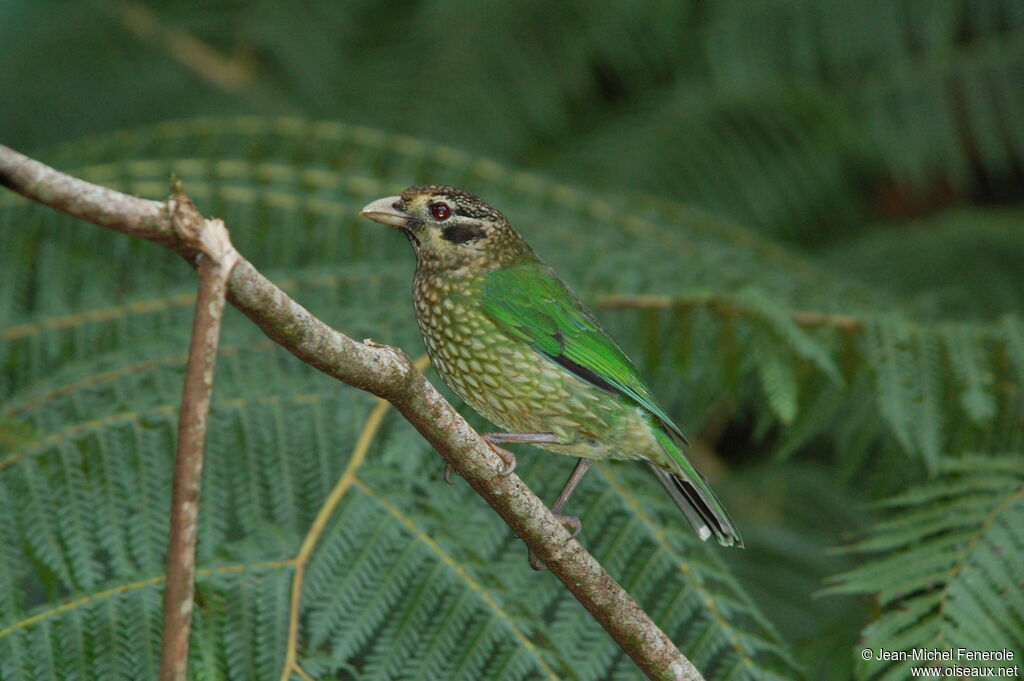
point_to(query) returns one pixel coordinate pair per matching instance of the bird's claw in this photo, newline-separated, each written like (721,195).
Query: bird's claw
(508,457)
(569,521)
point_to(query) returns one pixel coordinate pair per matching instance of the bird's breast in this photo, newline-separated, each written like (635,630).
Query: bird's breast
(506,380)
(466,348)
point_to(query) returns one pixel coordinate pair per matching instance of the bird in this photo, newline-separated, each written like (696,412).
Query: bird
(517,345)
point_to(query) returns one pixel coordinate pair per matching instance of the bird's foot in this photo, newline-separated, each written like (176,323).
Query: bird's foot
(571,522)
(508,457)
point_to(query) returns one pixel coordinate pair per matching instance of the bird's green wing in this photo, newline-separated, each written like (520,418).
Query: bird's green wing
(530,302)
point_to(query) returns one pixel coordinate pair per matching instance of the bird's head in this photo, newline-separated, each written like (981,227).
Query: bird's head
(450,228)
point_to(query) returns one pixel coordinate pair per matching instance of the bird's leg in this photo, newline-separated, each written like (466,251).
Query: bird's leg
(494,439)
(568,520)
(574,479)
(529,438)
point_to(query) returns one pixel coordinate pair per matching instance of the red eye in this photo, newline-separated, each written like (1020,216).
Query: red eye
(440,211)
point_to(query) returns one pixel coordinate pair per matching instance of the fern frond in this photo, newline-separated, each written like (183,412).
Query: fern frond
(975,378)
(956,265)
(913,77)
(946,566)
(906,370)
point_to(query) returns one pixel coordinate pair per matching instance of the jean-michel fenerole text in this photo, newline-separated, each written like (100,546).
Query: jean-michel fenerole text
(950,654)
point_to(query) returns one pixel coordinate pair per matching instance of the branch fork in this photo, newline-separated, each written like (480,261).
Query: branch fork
(217,257)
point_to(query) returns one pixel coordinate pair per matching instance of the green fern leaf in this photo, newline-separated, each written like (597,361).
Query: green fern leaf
(949,570)
(969,365)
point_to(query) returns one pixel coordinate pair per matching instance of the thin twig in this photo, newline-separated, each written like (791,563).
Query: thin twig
(216,261)
(726,307)
(229,74)
(388,373)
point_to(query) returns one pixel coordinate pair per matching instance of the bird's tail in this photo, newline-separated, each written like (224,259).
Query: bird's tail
(694,497)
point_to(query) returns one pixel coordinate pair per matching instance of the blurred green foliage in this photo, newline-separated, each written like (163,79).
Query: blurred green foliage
(802,219)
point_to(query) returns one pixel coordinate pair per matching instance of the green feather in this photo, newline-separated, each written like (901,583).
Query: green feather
(530,302)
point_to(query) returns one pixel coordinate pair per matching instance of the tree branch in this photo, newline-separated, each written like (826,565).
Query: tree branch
(215,265)
(726,308)
(388,373)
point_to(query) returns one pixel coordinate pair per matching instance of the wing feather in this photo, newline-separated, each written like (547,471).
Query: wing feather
(530,302)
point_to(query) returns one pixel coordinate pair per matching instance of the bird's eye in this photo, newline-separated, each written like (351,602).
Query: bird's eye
(440,211)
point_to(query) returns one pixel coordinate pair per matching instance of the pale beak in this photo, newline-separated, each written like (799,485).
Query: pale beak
(385,212)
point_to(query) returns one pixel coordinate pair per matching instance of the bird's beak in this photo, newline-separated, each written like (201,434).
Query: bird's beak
(385,211)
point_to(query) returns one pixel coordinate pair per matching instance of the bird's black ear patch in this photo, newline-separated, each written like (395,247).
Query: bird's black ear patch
(460,234)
